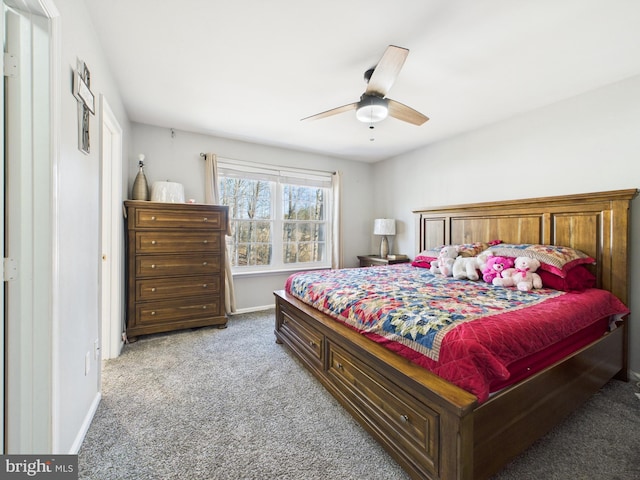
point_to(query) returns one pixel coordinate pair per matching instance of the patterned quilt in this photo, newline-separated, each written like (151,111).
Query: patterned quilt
(466,332)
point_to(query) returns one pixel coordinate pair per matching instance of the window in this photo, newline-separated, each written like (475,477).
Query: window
(280,220)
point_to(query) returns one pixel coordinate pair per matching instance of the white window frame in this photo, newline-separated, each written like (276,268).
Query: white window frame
(283,176)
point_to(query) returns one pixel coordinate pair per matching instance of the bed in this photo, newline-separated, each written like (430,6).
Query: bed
(434,428)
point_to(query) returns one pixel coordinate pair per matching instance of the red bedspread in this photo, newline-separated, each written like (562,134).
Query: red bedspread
(469,333)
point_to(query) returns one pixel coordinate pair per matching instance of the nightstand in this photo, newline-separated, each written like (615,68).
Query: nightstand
(373,260)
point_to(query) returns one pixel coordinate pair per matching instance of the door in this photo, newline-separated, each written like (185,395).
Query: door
(111,306)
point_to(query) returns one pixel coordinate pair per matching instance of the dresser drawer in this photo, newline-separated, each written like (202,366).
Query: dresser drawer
(158,218)
(387,407)
(175,242)
(177,287)
(170,265)
(155,313)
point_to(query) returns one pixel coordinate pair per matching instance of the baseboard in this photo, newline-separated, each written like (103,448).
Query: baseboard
(84,428)
(253,309)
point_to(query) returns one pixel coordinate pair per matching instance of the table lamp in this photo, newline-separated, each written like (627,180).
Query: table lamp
(384,227)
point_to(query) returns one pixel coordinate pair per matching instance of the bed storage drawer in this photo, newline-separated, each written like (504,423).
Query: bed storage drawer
(305,340)
(388,409)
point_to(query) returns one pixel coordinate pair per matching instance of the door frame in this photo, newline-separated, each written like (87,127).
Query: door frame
(2,234)
(30,423)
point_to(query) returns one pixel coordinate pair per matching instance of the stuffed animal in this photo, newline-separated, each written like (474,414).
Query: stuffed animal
(494,268)
(444,264)
(523,275)
(466,267)
(483,258)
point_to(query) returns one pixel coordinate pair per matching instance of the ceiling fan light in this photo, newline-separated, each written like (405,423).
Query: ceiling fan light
(372,109)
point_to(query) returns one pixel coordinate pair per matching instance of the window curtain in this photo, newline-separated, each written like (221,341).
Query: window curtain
(336,243)
(212,197)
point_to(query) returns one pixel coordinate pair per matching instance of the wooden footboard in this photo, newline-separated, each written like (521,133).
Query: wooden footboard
(432,428)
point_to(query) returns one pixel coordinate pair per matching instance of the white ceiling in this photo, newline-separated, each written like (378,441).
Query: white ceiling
(251,69)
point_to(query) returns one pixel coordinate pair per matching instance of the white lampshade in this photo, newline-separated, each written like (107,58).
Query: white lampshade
(384,226)
(169,192)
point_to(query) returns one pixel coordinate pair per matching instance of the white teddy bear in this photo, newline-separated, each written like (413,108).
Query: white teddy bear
(466,267)
(444,264)
(522,275)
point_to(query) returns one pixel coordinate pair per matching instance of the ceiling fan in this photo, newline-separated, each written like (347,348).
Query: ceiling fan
(373,105)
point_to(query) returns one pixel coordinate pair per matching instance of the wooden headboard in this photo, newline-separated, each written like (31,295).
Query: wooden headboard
(595,223)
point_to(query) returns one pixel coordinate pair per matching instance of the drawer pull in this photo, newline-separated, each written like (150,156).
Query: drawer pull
(205,241)
(204,307)
(205,219)
(204,264)
(153,266)
(153,242)
(153,289)
(404,418)
(153,313)
(153,217)
(204,285)
(312,344)
(340,366)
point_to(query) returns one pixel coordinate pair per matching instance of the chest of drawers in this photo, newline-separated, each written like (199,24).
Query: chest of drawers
(175,266)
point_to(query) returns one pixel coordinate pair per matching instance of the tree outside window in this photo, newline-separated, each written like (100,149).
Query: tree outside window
(276,223)
(303,232)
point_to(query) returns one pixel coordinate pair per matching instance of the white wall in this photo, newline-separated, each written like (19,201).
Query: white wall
(588,143)
(177,158)
(78,228)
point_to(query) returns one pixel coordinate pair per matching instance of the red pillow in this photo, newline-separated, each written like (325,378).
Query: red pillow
(577,279)
(423,261)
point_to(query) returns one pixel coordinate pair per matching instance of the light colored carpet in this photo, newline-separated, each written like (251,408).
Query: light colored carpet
(232,404)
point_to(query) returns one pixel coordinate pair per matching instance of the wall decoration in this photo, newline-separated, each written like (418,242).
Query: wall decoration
(86,104)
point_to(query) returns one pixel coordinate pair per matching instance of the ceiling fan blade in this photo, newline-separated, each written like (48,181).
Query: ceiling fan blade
(386,71)
(404,113)
(333,111)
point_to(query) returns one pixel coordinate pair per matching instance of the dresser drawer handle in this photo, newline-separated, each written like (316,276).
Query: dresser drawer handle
(404,418)
(153,313)
(153,217)
(205,219)
(205,241)
(153,266)
(312,344)
(204,285)
(153,289)
(204,264)
(340,366)
(153,242)
(204,307)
